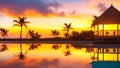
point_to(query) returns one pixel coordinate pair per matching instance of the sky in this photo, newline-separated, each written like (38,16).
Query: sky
(47,15)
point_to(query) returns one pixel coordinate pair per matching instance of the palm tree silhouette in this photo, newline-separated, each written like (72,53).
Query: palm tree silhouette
(95,18)
(75,33)
(4,32)
(55,33)
(67,28)
(33,35)
(21,22)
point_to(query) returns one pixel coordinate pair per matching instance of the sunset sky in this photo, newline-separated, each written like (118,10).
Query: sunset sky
(47,15)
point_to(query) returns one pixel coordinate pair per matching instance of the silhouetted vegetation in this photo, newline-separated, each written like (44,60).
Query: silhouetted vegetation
(55,33)
(4,32)
(21,22)
(33,35)
(95,18)
(84,35)
(67,28)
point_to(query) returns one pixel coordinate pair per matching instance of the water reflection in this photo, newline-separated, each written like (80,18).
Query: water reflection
(34,46)
(36,55)
(89,50)
(21,55)
(67,52)
(56,46)
(3,47)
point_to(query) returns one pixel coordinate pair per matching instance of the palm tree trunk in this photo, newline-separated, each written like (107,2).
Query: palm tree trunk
(21,47)
(21,33)
(67,33)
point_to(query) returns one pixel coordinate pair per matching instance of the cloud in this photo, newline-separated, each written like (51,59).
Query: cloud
(28,7)
(101,7)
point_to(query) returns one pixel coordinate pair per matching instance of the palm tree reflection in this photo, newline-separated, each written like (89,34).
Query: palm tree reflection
(4,33)
(67,52)
(55,46)
(21,55)
(4,48)
(89,50)
(34,46)
(93,57)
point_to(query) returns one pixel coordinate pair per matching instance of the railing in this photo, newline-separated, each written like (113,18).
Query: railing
(108,33)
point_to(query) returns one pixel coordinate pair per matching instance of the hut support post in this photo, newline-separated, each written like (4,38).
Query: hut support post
(117,29)
(97,54)
(103,30)
(117,55)
(97,30)
(103,54)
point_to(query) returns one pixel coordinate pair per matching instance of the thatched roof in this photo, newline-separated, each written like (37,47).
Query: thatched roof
(110,16)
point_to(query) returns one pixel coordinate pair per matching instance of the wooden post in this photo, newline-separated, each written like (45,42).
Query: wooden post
(97,54)
(103,30)
(117,29)
(117,55)
(103,54)
(97,30)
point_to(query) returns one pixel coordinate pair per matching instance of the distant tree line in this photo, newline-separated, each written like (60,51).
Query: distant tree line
(31,34)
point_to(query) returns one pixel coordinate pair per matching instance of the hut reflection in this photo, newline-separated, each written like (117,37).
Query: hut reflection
(103,51)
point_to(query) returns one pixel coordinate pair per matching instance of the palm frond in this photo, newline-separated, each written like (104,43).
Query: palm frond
(16,25)
(25,25)
(24,18)
(69,25)
(26,22)
(65,24)
(16,21)
(19,18)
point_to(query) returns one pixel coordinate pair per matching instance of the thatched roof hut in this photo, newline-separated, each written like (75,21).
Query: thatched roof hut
(110,16)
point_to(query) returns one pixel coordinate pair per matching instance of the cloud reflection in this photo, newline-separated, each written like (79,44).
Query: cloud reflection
(42,63)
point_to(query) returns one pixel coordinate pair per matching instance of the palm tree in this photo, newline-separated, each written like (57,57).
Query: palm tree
(33,35)
(21,22)
(55,33)
(4,32)
(67,28)
(95,18)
